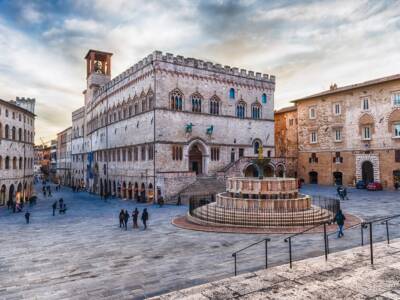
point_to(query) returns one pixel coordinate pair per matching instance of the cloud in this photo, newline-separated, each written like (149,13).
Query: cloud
(307,44)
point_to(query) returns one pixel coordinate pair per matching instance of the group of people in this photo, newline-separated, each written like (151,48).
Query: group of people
(61,206)
(124,217)
(46,189)
(342,192)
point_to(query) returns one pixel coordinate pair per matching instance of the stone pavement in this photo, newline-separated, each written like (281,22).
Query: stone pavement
(85,255)
(346,275)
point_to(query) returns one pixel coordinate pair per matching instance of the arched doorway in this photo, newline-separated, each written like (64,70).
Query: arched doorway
(101,188)
(11,193)
(150,193)
(136,191)
(268,171)
(367,170)
(338,178)
(124,190)
(18,195)
(3,195)
(129,190)
(313,177)
(251,171)
(142,193)
(280,171)
(196,159)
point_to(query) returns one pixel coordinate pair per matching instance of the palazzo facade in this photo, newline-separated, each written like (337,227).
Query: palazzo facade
(165,121)
(17,131)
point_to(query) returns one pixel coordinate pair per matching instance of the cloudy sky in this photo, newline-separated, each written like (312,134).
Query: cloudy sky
(307,44)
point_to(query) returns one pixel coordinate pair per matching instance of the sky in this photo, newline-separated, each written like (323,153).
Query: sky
(307,45)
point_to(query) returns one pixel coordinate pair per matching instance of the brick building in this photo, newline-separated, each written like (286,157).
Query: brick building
(166,122)
(350,133)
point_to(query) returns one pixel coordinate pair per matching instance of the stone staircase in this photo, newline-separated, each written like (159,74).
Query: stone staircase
(202,186)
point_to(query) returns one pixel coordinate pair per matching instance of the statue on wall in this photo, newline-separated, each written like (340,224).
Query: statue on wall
(98,67)
(210,130)
(189,127)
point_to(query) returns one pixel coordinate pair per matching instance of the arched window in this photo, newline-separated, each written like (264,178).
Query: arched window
(6,131)
(176,100)
(20,163)
(7,163)
(241,110)
(24,135)
(14,131)
(20,134)
(264,98)
(14,163)
(144,104)
(256,145)
(232,93)
(196,102)
(214,105)
(256,111)
(150,99)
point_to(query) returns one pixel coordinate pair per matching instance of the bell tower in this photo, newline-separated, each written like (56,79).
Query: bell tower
(98,71)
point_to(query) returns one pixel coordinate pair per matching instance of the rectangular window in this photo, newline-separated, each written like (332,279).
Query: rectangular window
(338,159)
(337,109)
(312,113)
(214,153)
(366,133)
(135,154)
(123,155)
(151,152)
(129,154)
(118,155)
(396,129)
(396,99)
(397,155)
(241,152)
(313,159)
(338,135)
(143,152)
(291,122)
(177,152)
(365,103)
(313,137)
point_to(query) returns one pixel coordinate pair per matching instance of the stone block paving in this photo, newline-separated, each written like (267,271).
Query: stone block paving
(85,255)
(346,275)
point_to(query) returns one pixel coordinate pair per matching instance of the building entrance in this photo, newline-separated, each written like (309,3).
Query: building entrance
(196,160)
(338,178)
(367,172)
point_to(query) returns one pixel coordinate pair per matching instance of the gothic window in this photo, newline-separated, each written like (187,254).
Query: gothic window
(123,155)
(125,115)
(119,115)
(135,154)
(177,153)
(7,163)
(232,93)
(144,104)
(20,163)
(256,111)
(150,97)
(264,98)
(13,133)
(214,153)
(241,110)
(6,131)
(214,105)
(129,154)
(130,110)
(196,102)
(136,108)
(143,152)
(150,151)
(14,163)
(176,100)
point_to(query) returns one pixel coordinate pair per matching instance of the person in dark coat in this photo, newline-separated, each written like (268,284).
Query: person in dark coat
(54,206)
(121,218)
(339,219)
(135,216)
(145,217)
(27,216)
(126,218)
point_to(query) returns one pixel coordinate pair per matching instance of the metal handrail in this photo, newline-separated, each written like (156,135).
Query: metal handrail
(304,231)
(266,240)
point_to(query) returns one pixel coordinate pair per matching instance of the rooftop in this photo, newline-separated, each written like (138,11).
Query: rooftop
(334,89)
(286,109)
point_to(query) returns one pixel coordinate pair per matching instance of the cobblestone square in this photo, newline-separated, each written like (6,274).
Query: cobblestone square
(85,255)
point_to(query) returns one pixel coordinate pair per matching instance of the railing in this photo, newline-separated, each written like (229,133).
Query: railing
(322,209)
(234,254)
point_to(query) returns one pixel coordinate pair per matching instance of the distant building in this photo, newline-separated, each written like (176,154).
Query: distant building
(41,163)
(53,160)
(64,156)
(17,131)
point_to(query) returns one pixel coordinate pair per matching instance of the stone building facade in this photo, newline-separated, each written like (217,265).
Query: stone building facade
(17,132)
(351,133)
(167,120)
(64,142)
(286,138)
(78,153)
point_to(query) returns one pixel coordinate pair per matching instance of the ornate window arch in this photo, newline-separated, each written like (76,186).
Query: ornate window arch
(215,105)
(241,109)
(196,102)
(256,110)
(6,131)
(150,99)
(232,93)
(143,101)
(176,100)
(14,163)
(264,98)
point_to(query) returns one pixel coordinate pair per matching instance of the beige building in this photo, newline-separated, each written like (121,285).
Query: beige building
(78,152)
(168,120)
(351,133)
(17,131)
(64,143)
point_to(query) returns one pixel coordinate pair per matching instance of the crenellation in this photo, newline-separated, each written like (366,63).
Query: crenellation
(243,72)
(250,74)
(235,71)
(258,75)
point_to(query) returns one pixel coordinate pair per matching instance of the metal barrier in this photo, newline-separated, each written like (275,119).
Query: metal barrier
(234,254)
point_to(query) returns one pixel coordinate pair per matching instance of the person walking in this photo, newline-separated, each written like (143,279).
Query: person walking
(27,216)
(54,206)
(339,219)
(126,218)
(135,216)
(145,218)
(179,200)
(121,218)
